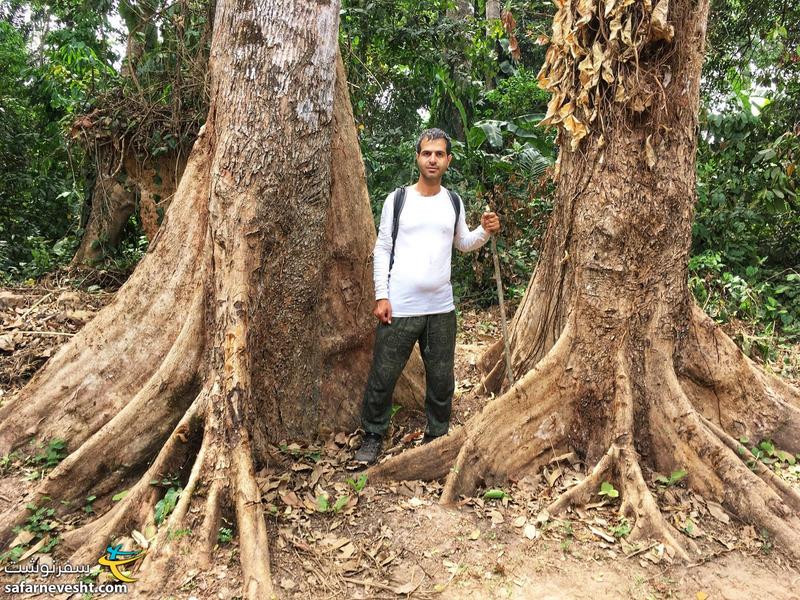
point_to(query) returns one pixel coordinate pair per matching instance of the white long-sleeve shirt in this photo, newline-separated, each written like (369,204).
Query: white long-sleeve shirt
(420,276)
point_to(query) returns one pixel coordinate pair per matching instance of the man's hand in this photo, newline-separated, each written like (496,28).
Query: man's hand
(383,311)
(490,222)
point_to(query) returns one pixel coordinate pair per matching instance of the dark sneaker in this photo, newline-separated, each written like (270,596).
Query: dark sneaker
(370,448)
(427,439)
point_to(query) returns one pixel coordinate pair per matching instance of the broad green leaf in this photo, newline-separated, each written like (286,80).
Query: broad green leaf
(494,494)
(493,132)
(606,489)
(167,504)
(476,137)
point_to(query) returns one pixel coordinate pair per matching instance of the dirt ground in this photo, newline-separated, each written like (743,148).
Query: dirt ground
(335,536)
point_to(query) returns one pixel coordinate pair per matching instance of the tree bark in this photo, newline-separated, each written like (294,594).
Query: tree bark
(248,321)
(114,199)
(110,206)
(611,358)
(492,9)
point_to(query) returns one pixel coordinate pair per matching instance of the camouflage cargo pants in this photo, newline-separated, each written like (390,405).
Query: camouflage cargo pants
(436,335)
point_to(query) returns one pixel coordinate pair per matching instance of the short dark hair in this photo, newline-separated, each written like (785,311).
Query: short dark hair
(433,134)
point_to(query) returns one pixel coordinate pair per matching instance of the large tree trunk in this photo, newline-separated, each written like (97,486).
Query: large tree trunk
(611,357)
(123,170)
(111,203)
(114,198)
(248,321)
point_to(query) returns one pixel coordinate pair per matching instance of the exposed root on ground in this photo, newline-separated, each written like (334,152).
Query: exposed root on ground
(145,422)
(483,445)
(128,346)
(732,391)
(429,462)
(136,508)
(742,491)
(252,528)
(789,494)
(220,483)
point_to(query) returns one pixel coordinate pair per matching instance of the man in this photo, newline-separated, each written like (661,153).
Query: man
(414,298)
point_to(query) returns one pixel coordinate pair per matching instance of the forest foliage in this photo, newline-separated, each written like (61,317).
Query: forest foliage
(409,66)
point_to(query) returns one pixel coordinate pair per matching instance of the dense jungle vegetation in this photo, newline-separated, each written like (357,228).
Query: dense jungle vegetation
(79,77)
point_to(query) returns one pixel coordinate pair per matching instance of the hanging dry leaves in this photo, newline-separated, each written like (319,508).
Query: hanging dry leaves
(509,25)
(605,40)
(661,30)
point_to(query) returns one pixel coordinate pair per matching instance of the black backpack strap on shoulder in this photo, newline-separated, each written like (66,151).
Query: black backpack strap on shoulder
(456,200)
(399,200)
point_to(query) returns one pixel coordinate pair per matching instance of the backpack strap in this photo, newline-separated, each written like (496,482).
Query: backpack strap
(456,200)
(399,200)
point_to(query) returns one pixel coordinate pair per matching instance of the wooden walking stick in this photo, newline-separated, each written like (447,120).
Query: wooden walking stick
(506,347)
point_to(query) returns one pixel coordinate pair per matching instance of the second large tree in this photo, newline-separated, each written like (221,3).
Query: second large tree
(611,356)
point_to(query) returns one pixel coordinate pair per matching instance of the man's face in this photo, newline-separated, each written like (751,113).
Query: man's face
(433,159)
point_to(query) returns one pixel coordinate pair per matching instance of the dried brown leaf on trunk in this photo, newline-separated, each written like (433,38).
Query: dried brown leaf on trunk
(659,28)
(650,153)
(586,11)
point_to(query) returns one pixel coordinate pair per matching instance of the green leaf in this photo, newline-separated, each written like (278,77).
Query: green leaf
(495,494)
(606,489)
(359,484)
(167,504)
(493,132)
(475,137)
(676,476)
(767,447)
(622,529)
(119,496)
(340,503)
(225,535)
(322,503)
